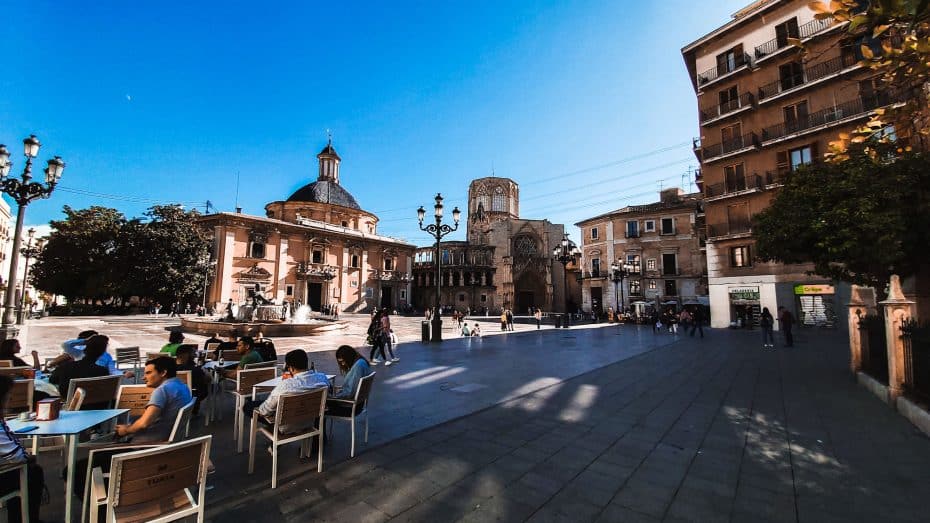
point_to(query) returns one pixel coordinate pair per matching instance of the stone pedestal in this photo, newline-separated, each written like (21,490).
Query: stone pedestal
(861,304)
(897,309)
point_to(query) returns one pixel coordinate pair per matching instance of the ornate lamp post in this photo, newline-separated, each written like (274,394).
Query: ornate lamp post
(619,272)
(24,192)
(438,231)
(565,252)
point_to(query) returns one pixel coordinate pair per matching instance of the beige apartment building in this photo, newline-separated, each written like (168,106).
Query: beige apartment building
(660,241)
(766,107)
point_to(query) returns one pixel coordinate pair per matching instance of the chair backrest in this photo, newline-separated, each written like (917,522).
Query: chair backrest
(5,364)
(230,355)
(76,400)
(187,377)
(15,372)
(298,410)
(364,389)
(248,378)
(262,365)
(98,391)
(179,431)
(21,396)
(145,481)
(212,346)
(134,398)
(149,356)
(128,355)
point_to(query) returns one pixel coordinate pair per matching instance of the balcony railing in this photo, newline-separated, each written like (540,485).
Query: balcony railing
(849,109)
(805,31)
(776,177)
(712,74)
(728,146)
(632,234)
(716,111)
(724,229)
(733,185)
(811,73)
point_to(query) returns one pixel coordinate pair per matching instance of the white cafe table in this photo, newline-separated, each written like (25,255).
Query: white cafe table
(69,424)
(274,382)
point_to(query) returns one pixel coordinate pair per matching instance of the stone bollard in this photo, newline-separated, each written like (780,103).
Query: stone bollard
(897,310)
(861,303)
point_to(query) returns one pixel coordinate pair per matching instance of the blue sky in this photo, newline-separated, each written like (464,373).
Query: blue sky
(586,104)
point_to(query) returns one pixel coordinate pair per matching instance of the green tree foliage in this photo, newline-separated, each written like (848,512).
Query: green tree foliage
(98,254)
(859,220)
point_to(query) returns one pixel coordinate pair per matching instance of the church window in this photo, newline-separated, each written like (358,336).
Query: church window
(500,200)
(389,264)
(345,223)
(484,298)
(289,290)
(595,267)
(257,250)
(355,261)
(317,256)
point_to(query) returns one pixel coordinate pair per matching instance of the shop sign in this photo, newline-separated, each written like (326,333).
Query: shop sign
(744,293)
(805,289)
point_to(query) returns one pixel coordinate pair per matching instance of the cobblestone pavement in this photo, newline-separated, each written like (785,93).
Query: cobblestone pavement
(712,430)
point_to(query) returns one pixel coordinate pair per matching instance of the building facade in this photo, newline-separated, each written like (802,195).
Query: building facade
(506,261)
(6,245)
(317,248)
(765,108)
(663,244)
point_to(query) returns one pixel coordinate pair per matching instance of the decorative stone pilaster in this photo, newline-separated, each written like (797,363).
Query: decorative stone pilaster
(861,303)
(897,310)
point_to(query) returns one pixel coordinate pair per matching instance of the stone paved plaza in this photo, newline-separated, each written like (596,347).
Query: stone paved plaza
(597,423)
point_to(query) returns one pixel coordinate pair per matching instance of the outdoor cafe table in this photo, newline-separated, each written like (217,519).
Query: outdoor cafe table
(69,424)
(274,382)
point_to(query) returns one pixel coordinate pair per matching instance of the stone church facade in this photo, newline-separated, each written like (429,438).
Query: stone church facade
(506,261)
(318,247)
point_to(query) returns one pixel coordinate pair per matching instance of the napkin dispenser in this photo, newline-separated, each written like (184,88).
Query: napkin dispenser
(48,409)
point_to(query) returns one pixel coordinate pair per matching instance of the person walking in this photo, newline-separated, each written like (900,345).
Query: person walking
(503,320)
(685,319)
(785,323)
(766,323)
(374,337)
(697,321)
(387,340)
(509,320)
(538,315)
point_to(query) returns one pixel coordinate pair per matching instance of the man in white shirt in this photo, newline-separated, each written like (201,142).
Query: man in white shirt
(301,379)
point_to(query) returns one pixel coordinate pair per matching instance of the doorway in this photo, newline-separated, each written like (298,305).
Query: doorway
(386,298)
(525,301)
(315,295)
(597,301)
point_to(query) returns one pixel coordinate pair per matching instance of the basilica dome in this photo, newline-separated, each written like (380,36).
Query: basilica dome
(324,191)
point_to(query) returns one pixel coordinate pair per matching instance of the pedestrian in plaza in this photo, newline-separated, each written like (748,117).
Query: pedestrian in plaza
(538,316)
(654,320)
(766,323)
(503,320)
(509,320)
(12,452)
(697,321)
(465,330)
(387,340)
(476,330)
(374,338)
(230,314)
(785,323)
(685,319)
(335,312)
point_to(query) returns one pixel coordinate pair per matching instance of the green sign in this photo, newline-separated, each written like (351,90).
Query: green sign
(745,293)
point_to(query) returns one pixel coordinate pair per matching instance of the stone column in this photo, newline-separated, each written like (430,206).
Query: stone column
(861,304)
(897,310)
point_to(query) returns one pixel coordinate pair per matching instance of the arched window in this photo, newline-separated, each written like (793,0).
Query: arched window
(482,200)
(500,200)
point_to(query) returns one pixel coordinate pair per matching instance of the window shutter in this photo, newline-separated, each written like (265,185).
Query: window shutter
(781,162)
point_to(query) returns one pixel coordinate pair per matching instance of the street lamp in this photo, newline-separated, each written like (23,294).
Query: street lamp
(24,192)
(620,271)
(565,252)
(28,251)
(438,231)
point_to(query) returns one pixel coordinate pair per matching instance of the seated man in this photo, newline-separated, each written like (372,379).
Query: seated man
(301,380)
(199,379)
(215,338)
(247,356)
(86,367)
(169,396)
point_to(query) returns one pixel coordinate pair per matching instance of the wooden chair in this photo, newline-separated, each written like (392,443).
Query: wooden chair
(134,398)
(296,414)
(262,365)
(98,391)
(149,356)
(153,484)
(129,356)
(187,378)
(182,422)
(230,355)
(246,379)
(5,364)
(46,443)
(359,407)
(21,396)
(22,492)
(16,372)
(211,349)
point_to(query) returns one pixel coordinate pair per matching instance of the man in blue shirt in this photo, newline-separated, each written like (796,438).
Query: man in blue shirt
(169,396)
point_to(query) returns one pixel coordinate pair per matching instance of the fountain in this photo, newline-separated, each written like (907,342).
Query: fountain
(271,319)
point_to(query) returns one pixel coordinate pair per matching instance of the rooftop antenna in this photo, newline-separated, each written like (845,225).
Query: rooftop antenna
(238,209)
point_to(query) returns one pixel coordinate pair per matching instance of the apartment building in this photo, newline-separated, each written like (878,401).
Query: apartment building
(767,106)
(661,242)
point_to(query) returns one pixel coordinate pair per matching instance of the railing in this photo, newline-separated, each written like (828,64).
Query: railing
(744,100)
(712,74)
(916,339)
(589,275)
(724,229)
(752,181)
(849,109)
(776,177)
(632,234)
(810,74)
(805,31)
(874,347)
(728,146)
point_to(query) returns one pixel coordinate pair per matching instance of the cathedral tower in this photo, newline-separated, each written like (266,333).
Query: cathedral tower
(490,200)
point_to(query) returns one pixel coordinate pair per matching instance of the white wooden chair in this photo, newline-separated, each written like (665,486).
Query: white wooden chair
(246,379)
(182,422)
(5,364)
(297,412)
(359,405)
(132,357)
(101,390)
(153,484)
(46,443)
(22,492)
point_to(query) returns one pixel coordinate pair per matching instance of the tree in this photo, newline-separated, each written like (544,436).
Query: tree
(894,37)
(859,220)
(79,259)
